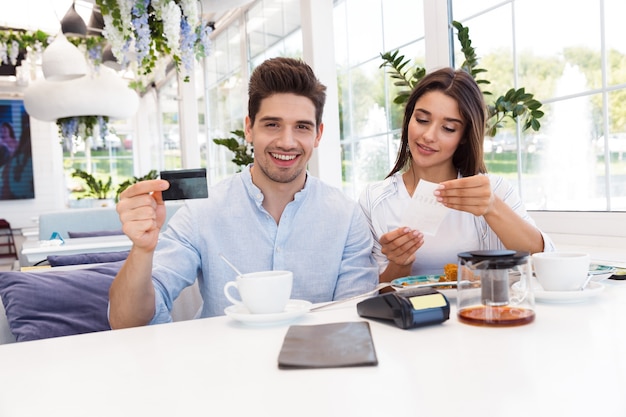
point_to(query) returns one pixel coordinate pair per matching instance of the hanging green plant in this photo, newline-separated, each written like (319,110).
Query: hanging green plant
(13,42)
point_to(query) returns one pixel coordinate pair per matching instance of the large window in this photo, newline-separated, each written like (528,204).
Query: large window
(370,121)
(576,161)
(103,158)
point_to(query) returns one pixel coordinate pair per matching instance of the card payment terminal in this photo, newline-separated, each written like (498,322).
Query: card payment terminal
(407,308)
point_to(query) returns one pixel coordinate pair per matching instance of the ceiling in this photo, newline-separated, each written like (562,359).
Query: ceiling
(45,15)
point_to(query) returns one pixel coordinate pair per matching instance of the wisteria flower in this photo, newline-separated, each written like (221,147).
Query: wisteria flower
(142,30)
(3,53)
(190,11)
(171,27)
(187,44)
(14,52)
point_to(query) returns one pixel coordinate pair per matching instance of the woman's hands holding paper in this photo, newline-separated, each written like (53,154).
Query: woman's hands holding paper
(471,194)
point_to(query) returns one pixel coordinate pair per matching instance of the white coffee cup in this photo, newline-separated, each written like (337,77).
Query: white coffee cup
(262,292)
(561,271)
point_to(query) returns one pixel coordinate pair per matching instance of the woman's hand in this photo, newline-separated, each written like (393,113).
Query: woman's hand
(471,194)
(400,245)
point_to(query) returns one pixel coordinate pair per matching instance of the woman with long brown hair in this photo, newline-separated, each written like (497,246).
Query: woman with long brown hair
(442,142)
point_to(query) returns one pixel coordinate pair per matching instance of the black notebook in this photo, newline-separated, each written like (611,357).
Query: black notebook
(332,345)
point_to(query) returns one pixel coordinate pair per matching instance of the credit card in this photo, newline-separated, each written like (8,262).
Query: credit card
(185,184)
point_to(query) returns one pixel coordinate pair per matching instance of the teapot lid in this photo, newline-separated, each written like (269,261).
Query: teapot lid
(496,259)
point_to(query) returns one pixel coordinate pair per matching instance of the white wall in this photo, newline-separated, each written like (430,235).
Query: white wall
(602,235)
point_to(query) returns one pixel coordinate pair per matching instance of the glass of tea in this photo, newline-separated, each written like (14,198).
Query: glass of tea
(494,288)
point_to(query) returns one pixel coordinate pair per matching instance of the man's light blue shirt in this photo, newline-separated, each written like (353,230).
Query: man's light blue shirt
(322,237)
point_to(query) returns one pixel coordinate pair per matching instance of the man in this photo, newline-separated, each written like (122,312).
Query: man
(272,215)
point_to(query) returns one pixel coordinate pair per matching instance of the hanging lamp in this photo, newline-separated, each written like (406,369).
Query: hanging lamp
(72,23)
(61,60)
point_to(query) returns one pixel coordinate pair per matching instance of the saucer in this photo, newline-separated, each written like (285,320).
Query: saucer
(293,310)
(576,296)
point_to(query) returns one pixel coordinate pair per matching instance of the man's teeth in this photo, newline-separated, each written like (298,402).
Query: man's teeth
(284,157)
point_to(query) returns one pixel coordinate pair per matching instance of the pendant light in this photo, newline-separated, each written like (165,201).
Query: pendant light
(72,23)
(103,93)
(62,60)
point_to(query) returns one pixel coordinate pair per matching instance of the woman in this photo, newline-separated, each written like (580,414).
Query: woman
(442,142)
(8,142)
(16,176)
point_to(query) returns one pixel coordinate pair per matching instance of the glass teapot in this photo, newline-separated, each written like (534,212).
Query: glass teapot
(494,288)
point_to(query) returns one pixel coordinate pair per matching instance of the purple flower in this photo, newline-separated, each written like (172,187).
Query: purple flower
(69,127)
(142,30)
(187,42)
(203,47)
(103,126)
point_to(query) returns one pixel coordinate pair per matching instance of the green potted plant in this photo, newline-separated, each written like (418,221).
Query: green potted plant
(516,104)
(152,175)
(244,152)
(96,188)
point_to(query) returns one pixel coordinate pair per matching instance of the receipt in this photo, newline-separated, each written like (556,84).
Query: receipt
(424,212)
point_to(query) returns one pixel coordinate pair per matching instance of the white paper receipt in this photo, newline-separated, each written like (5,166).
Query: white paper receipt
(424,212)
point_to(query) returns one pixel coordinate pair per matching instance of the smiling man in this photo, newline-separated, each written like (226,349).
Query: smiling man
(271,216)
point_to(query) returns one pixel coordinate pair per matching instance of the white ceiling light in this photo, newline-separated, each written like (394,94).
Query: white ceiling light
(61,60)
(102,94)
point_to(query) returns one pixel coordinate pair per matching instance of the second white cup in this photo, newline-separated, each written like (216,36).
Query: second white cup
(561,271)
(262,292)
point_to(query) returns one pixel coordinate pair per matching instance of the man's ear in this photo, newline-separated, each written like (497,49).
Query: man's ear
(248,129)
(320,131)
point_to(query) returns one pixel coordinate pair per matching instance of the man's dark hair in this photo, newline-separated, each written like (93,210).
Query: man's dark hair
(285,75)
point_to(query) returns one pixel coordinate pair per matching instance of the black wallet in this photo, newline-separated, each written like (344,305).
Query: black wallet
(332,345)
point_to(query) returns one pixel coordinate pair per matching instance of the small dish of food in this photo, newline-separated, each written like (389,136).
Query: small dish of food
(444,282)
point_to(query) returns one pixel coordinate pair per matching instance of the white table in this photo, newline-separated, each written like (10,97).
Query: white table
(570,362)
(37,251)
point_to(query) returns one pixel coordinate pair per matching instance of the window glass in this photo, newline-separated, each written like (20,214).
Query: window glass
(367,160)
(367,100)
(102,158)
(202,114)
(616,144)
(225,95)
(565,165)
(363,29)
(464,9)
(614,39)
(400,16)
(269,22)
(168,104)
